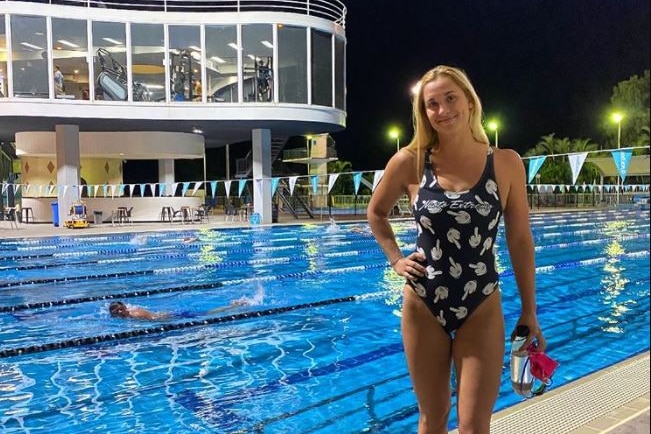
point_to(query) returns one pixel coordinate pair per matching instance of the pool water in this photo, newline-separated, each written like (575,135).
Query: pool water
(316,348)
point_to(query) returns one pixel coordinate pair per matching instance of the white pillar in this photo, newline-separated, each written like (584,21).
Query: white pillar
(166,175)
(67,148)
(262,174)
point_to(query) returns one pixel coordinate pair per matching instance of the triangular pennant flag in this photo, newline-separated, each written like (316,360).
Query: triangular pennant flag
(121,190)
(534,166)
(27,187)
(258,185)
(81,190)
(113,188)
(227,186)
(314,180)
(196,187)
(240,187)
(576,162)
(377,177)
(357,179)
(4,187)
(65,190)
(274,185)
(152,189)
(142,190)
(17,188)
(622,158)
(131,188)
(184,190)
(106,190)
(331,180)
(292,183)
(213,188)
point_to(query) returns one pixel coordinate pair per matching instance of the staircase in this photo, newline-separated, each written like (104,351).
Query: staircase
(294,204)
(244,166)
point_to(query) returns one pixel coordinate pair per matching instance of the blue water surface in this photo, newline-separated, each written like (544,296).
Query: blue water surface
(315,349)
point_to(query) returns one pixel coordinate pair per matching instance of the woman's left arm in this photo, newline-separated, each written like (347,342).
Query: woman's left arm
(510,168)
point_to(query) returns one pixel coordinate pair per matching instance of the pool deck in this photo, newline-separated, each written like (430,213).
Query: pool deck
(615,400)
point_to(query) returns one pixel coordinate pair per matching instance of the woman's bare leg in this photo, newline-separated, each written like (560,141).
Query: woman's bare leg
(427,348)
(478,352)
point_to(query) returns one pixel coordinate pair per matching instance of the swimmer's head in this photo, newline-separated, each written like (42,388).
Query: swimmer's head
(118,309)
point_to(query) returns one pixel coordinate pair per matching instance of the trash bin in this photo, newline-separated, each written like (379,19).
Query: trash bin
(55,213)
(255,219)
(98,217)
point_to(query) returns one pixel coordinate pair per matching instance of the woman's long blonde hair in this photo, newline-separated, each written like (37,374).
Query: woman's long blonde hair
(424,135)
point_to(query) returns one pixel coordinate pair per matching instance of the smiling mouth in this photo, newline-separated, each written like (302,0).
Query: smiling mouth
(447,120)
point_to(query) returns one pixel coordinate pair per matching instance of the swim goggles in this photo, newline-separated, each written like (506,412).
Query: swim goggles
(542,368)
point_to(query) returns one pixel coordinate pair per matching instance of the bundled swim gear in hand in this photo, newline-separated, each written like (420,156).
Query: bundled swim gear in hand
(542,367)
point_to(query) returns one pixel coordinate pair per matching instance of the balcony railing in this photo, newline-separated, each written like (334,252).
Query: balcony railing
(333,10)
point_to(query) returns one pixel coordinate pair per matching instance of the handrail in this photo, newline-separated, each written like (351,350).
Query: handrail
(333,10)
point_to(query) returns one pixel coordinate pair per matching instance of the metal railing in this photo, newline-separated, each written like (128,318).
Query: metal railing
(333,10)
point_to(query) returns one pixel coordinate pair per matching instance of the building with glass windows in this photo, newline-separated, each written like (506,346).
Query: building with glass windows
(86,85)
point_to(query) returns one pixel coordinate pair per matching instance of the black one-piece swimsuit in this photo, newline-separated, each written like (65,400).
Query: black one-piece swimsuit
(456,233)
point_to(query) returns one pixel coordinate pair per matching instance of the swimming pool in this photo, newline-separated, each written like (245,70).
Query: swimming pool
(318,348)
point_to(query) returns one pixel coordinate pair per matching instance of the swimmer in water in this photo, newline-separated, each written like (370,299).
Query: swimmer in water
(118,309)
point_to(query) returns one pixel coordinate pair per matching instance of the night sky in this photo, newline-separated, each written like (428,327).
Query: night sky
(541,67)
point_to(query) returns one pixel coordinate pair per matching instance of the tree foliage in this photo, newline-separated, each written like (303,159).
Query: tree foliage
(631,98)
(556,169)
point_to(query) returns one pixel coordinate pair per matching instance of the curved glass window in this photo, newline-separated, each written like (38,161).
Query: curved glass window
(292,64)
(69,55)
(221,63)
(4,80)
(340,73)
(29,56)
(257,62)
(185,63)
(148,62)
(109,61)
(321,68)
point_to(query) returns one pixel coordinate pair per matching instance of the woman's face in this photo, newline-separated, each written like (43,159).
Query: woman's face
(446,106)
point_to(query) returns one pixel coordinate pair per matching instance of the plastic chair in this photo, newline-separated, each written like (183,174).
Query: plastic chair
(230,212)
(10,216)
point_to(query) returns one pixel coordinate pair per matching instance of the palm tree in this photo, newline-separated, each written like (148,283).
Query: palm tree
(345,180)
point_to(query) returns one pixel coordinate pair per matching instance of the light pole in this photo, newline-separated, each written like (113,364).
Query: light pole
(617,118)
(394,133)
(493,126)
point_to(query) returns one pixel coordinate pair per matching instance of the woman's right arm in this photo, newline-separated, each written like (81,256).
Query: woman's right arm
(400,170)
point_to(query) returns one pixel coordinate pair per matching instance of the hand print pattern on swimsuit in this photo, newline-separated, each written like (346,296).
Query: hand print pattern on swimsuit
(456,233)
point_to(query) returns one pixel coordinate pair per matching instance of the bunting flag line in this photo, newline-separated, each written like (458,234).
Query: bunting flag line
(274,185)
(227,185)
(186,186)
(622,158)
(197,184)
(534,166)
(292,184)
(576,163)
(377,177)
(357,180)
(213,188)
(332,178)
(240,187)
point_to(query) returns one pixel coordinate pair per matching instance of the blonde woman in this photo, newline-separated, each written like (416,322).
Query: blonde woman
(460,187)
